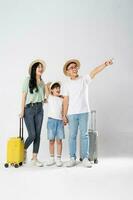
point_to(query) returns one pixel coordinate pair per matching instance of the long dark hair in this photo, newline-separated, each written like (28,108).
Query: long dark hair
(33,81)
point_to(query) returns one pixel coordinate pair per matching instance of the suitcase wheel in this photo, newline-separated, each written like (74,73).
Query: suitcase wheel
(96,161)
(20,164)
(6,165)
(16,165)
(81,159)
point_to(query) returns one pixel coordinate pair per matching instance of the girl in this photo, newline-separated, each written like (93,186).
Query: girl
(33,93)
(55,126)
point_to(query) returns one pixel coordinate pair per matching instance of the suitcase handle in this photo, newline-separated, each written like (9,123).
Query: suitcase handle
(21,128)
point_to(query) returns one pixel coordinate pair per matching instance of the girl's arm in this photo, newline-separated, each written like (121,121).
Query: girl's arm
(47,91)
(23,104)
(101,67)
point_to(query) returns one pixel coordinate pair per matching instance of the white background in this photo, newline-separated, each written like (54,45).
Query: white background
(89,30)
(57,30)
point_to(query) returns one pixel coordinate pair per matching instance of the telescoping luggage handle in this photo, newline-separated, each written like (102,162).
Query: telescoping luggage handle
(21,128)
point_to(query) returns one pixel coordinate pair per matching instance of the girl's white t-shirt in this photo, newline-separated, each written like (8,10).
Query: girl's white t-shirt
(55,107)
(78,93)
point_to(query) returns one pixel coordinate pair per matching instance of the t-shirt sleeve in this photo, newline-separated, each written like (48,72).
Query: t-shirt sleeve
(65,90)
(25,85)
(87,79)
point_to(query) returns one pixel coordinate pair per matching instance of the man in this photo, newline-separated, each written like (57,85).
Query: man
(76,107)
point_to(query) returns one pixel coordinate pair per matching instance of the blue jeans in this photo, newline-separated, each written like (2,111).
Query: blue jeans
(33,117)
(81,121)
(55,129)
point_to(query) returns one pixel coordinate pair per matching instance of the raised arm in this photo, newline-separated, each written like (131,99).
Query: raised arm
(47,91)
(100,68)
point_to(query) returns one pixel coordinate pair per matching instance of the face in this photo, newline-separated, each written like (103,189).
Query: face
(72,70)
(39,70)
(56,91)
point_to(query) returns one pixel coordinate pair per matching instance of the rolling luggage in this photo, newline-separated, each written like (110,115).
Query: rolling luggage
(15,149)
(93,139)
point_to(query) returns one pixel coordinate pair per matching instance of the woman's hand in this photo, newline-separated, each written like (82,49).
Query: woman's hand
(21,115)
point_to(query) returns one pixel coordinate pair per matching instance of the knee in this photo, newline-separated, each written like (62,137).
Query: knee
(51,142)
(59,142)
(84,135)
(32,137)
(72,137)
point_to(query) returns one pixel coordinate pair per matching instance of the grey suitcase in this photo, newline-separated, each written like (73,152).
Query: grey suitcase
(93,139)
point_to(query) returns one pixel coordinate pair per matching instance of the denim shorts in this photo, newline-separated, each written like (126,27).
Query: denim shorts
(55,129)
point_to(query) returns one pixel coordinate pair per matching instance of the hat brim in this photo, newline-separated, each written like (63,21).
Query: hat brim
(68,62)
(54,83)
(35,61)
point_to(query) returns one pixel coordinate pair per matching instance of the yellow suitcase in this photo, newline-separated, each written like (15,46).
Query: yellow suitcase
(15,149)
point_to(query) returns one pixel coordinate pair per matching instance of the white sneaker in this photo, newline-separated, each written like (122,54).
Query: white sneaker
(36,163)
(51,161)
(71,162)
(87,163)
(59,163)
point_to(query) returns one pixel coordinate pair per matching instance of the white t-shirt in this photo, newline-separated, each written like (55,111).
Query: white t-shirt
(55,107)
(77,91)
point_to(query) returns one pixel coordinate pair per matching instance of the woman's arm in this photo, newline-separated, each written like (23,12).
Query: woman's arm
(23,104)
(101,67)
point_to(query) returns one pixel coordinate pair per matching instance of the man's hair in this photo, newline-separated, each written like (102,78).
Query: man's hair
(70,64)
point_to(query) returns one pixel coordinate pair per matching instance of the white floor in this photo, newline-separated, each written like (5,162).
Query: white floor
(111,179)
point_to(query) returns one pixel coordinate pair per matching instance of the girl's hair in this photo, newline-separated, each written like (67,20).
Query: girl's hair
(55,85)
(33,82)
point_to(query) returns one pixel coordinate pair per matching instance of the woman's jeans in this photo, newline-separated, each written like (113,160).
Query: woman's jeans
(81,121)
(33,117)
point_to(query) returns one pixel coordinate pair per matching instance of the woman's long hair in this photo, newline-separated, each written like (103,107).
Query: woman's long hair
(33,81)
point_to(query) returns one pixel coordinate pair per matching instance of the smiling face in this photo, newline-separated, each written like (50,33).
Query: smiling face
(72,69)
(39,70)
(55,91)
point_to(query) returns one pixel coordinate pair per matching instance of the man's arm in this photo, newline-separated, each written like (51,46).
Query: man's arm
(65,109)
(101,67)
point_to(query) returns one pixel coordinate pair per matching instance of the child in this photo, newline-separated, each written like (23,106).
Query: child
(55,125)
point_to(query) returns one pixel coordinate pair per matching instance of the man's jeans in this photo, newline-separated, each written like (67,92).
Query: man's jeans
(81,121)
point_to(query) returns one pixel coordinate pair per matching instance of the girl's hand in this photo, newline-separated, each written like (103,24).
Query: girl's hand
(108,62)
(45,101)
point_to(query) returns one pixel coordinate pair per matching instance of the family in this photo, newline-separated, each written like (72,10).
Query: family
(71,107)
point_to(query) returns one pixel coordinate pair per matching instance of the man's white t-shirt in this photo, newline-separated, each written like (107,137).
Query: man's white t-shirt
(78,93)
(55,107)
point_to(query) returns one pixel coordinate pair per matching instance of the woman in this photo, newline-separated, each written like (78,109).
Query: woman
(33,93)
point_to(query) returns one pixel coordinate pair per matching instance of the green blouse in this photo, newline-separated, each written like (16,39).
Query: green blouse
(35,96)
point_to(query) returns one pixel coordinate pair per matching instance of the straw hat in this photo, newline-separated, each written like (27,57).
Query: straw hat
(35,61)
(54,83)
(68,62)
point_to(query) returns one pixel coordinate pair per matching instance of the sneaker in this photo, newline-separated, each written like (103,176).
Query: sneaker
(87,163)
(59,163)
(71,162)
(51,161)
(36,163)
